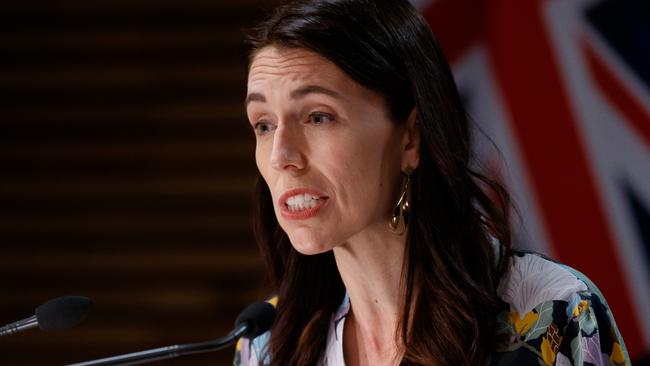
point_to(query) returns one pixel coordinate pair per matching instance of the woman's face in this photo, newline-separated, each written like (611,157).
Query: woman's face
(326,147)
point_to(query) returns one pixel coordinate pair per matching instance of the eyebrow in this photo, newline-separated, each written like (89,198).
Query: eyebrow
(254,97)
(296,94)
(312,89)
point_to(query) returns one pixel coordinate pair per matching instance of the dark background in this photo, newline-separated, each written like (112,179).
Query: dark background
(126,172)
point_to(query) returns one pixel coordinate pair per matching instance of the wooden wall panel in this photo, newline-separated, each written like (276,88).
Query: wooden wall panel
(126,173)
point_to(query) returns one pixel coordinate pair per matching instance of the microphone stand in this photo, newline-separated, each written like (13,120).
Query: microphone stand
(163,353)
(20,325)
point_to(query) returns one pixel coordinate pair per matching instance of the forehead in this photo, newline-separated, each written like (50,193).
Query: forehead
(281,71)
(293,65)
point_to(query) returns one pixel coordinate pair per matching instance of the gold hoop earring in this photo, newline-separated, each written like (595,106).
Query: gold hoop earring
(399,219)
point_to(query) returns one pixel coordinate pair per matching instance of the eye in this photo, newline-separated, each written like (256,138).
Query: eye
(262,128)
(318,118)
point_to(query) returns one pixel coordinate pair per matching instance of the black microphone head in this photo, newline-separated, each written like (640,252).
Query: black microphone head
(63,312)
(257,317)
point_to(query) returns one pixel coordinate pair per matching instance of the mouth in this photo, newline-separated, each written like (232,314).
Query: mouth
(301,203)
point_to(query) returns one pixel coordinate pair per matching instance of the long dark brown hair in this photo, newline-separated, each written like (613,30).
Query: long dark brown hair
(452,264)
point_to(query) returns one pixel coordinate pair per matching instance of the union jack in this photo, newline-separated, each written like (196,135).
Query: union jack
(563,89)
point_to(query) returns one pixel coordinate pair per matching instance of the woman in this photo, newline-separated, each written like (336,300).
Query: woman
(383,244)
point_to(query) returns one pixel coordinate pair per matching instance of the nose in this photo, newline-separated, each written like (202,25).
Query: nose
(287,152)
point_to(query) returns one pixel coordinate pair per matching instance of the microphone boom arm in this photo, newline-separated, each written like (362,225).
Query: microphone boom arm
(163,353)
(20,325)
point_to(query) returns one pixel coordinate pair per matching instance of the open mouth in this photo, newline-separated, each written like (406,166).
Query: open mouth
(301,202)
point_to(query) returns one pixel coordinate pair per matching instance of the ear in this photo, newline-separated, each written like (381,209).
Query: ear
(411,143)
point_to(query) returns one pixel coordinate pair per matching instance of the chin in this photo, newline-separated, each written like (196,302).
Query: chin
(308,244)
(309,249)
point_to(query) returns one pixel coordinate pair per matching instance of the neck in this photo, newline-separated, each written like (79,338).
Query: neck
(371,269)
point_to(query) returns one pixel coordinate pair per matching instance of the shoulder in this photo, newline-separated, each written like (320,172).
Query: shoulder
(553,314)
(532,279)
(253,352)
(249,352)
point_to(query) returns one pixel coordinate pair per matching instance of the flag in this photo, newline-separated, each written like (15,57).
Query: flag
(562,88)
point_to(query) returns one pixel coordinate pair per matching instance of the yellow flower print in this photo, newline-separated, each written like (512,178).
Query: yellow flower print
(273,301)
(522,325)
(582,306)
(617,354)
(547,352)
(551,344)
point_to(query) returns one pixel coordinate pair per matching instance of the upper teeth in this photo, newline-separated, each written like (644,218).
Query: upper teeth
(302,201)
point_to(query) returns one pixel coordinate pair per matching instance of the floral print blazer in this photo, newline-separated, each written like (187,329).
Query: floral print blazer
(551,315)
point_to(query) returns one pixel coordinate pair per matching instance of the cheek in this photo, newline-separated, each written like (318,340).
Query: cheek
(264,167)
(362,172)
(258,161)
(262,159)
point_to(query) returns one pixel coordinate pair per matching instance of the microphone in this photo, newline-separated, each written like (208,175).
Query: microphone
(55,315)
(254,320)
